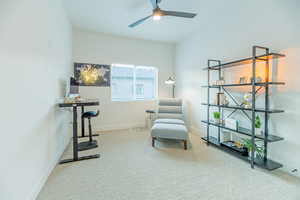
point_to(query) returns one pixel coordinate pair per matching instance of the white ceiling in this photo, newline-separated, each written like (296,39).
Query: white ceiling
(214,16)
(114,16)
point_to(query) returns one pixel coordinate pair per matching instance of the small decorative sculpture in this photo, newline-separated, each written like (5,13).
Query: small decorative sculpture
(220,82)
(258,79)
(247,100)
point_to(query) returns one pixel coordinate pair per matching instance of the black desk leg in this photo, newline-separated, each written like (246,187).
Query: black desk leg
(75,136)
(75,143)
(82,122)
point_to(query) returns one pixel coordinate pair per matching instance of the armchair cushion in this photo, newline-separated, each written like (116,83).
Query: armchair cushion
(169,116)
(170,109)
(170,102)
(169,121)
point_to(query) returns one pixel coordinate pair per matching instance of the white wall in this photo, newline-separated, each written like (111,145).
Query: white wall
(97,48)
(35,60)
(230,35)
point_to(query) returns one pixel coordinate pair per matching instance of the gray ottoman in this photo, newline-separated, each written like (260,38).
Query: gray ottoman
(169,131)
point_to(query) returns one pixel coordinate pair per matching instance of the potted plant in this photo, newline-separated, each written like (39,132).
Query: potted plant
(258,150)
(217,117)
(258,130)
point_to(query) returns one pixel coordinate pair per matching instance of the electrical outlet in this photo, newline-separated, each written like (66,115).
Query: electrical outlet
(292,170)
(295,171)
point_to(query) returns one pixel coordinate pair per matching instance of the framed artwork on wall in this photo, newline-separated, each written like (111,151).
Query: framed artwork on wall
(92,74)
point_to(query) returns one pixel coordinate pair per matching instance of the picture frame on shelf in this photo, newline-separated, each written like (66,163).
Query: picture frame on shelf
(231,123)
(243,80)
(221,99)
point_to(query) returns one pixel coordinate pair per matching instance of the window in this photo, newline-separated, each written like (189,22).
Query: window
(139,90)
(129,83)
(146,82)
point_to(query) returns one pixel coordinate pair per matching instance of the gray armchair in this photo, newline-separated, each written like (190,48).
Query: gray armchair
(169,123)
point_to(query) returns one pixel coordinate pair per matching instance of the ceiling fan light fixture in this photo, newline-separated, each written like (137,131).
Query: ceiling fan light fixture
(156,17)
(157,14)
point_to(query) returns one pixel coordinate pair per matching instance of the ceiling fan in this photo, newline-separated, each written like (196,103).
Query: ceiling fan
(158,13)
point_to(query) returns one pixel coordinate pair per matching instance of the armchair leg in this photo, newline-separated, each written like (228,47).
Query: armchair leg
(185,144)
(153,142)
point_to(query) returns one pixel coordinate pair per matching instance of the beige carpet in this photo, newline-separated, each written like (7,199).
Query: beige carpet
(130,169)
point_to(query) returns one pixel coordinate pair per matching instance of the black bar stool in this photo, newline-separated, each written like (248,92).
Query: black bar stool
(91,144)
(83,125)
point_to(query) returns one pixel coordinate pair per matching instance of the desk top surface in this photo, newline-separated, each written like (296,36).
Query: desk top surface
(77,103)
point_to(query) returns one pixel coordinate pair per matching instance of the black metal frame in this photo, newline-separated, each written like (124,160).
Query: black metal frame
(254,90)
(75,131)
(208,93)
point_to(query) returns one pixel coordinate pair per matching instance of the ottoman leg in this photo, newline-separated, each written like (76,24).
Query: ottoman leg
(185,144)
(153,142)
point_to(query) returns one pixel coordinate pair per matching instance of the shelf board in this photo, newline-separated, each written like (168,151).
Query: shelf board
(245,84)
(244,131)
(245,61)
(247,109)
(269,164)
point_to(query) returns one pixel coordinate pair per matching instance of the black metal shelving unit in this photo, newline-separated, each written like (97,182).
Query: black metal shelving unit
(255,87)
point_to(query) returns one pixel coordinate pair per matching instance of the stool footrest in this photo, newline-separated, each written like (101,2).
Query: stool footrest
(85,136)
(83,146)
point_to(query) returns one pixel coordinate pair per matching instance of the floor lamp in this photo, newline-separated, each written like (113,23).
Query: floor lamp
(171,81)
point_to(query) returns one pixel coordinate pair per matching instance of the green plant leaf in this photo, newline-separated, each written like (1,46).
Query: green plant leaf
(217,115)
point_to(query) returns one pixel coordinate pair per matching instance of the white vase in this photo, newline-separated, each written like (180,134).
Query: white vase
(217,121)
(258,131)
(256,156)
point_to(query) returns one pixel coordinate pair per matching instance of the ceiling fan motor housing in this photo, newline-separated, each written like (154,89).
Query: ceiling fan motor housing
(158,12)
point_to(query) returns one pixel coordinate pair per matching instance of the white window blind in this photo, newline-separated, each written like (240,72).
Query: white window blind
(130,83)
(146,82)
(122,82)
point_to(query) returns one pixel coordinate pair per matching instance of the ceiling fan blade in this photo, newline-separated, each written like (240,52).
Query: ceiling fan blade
(139,22)
(155,3)
(179,14)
